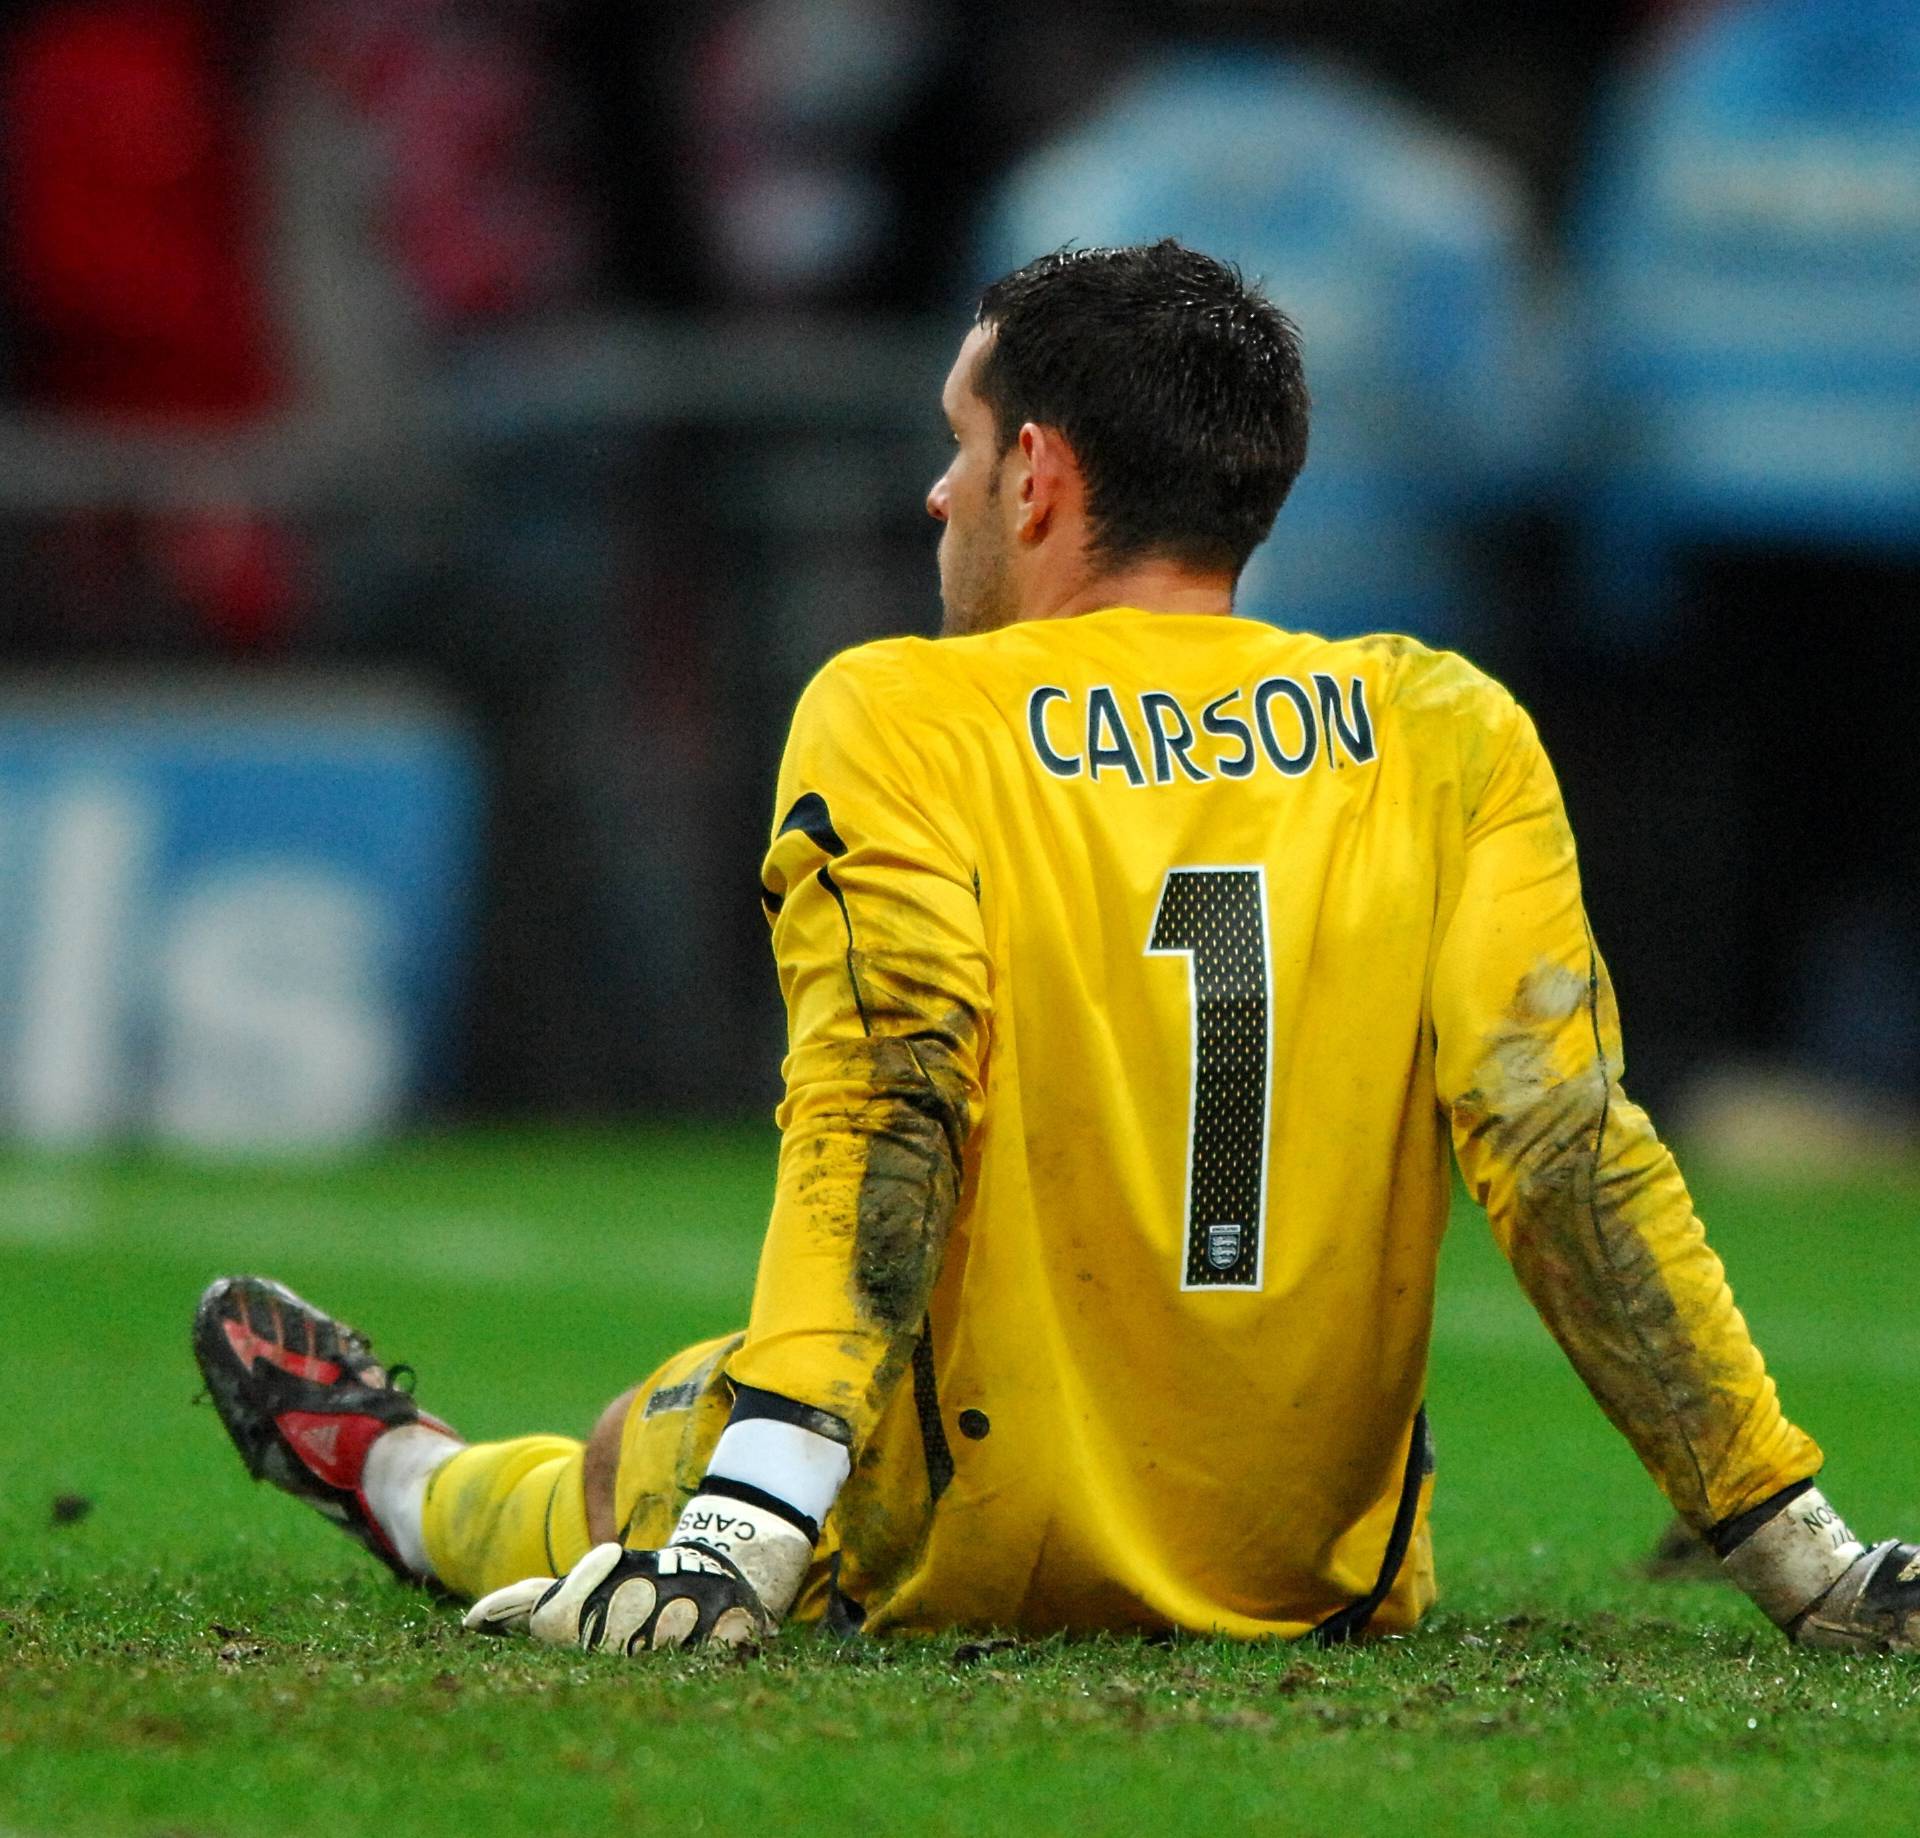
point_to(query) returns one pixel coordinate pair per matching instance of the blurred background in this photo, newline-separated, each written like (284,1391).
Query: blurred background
(438,441)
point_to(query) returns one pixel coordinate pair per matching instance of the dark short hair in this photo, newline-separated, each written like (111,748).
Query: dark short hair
(1176,383)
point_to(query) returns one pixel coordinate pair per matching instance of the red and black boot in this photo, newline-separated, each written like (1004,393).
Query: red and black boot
(303,1399)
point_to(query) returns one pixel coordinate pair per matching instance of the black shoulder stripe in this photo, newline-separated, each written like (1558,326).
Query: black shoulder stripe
(750,1402)
(826,880)
(813,820)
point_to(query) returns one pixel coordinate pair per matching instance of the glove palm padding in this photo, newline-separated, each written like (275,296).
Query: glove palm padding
(1873,1608)
(621,1601)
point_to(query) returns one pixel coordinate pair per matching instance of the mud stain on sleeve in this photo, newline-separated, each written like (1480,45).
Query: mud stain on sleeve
(1598,1221)
(914,1127)
(879,1173)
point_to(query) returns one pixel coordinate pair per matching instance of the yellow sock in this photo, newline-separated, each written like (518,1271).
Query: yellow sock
(500,1511)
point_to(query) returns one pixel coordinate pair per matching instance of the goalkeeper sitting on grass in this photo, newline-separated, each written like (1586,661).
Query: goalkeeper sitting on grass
(1141,965)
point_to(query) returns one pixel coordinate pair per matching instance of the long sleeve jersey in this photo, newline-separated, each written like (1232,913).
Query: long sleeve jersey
(1140,971)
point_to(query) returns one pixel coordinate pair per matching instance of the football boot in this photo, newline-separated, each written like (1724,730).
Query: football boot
(303,1398)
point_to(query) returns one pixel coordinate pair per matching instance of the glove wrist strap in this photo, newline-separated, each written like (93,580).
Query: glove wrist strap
(1790,1561)
(766,1547)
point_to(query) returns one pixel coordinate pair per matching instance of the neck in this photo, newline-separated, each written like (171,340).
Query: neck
(1152,586)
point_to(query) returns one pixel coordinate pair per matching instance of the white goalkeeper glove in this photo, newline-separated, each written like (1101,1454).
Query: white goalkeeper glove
(1875,1606)
(728,1577)
(1821,1586)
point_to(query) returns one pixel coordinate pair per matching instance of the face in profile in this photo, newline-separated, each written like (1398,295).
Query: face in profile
(976,584)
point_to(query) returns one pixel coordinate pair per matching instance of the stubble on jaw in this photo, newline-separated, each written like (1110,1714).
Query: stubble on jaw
(978,601)
(976,593)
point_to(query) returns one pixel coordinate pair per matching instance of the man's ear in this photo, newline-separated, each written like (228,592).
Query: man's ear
(1048,485)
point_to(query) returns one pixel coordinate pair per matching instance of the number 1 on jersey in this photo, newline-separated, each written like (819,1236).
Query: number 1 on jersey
(1217,919)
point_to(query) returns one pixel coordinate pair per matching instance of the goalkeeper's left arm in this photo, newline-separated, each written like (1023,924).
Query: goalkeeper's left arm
(1590,1207)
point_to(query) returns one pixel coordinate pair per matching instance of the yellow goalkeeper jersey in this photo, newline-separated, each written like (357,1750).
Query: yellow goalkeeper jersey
(1196,941)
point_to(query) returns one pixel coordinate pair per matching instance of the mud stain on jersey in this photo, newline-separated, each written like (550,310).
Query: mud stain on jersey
(876,1170)
(883,1517)
(1595,1242)
(915,1128)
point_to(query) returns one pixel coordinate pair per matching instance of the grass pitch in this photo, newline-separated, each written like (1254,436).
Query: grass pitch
(184,1653)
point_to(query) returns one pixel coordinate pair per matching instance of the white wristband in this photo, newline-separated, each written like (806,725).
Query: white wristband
(1795,1558)
(801,1467)
(772,1553)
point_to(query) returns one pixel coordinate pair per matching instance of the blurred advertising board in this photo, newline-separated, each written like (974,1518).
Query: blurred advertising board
(232,915)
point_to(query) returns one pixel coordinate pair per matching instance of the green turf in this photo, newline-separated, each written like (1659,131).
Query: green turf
(196,1655)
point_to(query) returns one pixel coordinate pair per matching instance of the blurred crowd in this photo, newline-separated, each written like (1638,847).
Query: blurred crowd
(445,308)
